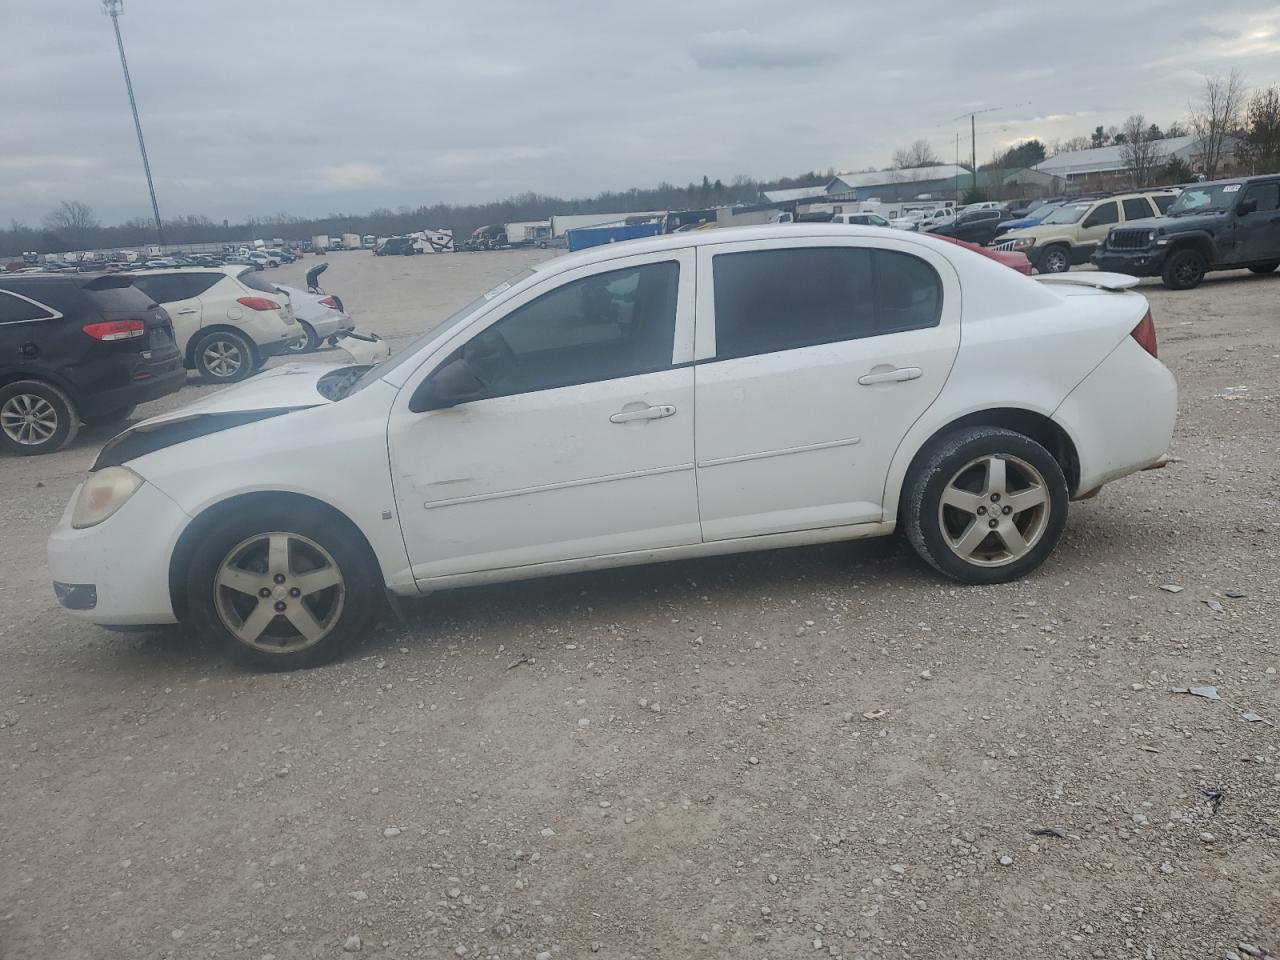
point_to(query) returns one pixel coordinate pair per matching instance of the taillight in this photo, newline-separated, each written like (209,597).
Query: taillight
(116,329)
(1145,334)
(258,303)
(330,302)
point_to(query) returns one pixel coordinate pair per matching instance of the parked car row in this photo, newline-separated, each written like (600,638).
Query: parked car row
(78,348)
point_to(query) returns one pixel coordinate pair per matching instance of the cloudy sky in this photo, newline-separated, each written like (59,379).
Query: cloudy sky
(314,106)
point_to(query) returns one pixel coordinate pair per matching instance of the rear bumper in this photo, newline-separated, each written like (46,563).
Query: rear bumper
(151,387)
(1121,416)
(1136,263)
(330,323)
(101,574)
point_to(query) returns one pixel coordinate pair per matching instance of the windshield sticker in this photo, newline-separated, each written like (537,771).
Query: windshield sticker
(500,288)
(1231,188)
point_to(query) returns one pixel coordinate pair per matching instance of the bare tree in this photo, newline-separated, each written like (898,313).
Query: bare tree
(1261,146)
(1213,117)
(919,154)
(1072,144)
(71,220)
(1141,153)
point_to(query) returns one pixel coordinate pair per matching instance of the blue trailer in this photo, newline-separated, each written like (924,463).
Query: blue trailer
(584,237)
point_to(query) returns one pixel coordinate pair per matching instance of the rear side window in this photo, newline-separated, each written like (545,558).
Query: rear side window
(1103,214)
(1136,208)
(254,280)
(1266,194)
(117,295)
(773,300)
(169,287)
(1164,202)
(16,309)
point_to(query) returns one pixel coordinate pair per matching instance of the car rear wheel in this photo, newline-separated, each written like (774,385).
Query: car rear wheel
(35,418)
(104,417)
(1265,267)
(282,588)
(224,356)
(985,505)
(307,343)
(1055,259)
(1184,269)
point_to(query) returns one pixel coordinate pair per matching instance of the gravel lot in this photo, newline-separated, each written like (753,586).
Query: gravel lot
(678,761)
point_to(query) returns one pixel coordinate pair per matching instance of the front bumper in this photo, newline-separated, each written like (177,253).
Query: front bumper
(1136,263)
(117,572)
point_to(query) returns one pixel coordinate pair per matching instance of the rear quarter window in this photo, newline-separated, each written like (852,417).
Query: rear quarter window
(15,308)
(254,280)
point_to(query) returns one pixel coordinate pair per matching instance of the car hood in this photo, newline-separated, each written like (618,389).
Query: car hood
(1191,221)
(273,393)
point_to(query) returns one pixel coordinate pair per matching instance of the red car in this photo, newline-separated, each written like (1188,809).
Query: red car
(1015,261)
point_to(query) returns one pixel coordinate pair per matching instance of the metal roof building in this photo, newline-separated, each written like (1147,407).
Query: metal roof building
(1101,160)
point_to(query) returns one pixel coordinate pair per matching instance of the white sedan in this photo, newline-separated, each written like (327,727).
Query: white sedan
(702,393)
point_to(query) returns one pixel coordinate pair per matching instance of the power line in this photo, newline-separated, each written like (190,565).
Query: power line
(973,133)
(113,9)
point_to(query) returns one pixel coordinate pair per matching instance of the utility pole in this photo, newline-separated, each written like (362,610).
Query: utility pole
(113,9)
(973,135)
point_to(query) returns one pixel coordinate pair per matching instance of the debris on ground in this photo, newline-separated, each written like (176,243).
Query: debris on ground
(1058,832)
(873,714)
(1171,588)
(516,662)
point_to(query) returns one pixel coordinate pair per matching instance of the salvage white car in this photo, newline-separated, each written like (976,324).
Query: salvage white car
(701,393)
(320,315)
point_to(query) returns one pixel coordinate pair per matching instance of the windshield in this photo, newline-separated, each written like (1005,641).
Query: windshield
(1041,212)
(409,350)
(1068,213)
(1210,198)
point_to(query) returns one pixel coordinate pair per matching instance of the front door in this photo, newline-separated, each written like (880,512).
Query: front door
(580,443)
(815,358)
(1258,232)
(1097,224)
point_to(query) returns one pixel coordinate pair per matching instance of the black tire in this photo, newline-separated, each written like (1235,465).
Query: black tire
(409,251)
(344,612)
(98,418)
(1056,258)
(1184,269)
(36,418)
(939,533)
(309,343)
(224,356)
(1265,267)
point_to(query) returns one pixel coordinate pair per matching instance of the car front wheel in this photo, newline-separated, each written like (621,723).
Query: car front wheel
(283,588)
(35,418)
(985,505)
(1056,259)
(224,357)
(1184,269)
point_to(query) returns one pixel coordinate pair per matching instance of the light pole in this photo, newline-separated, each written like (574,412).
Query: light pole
(113,9)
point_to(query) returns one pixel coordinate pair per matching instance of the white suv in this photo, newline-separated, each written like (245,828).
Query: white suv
(227,320)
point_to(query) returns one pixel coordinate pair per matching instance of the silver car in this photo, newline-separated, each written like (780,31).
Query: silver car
(320,315)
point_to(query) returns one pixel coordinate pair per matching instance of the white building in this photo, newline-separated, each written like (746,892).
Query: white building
(867,183)
(1109,160)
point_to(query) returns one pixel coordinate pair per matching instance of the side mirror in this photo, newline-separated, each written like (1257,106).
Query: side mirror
(454,383)
(1246,207)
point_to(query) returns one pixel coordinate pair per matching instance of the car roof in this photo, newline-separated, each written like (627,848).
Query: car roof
(721,235)
(231,270)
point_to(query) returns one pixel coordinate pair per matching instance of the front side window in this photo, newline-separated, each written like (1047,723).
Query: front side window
(603,327)
(15,309)
(1136,208)
(1103,214)
(1266,195)
(773,300)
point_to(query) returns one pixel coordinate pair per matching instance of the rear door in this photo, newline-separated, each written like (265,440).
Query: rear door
(179,294)
(815,356)
(1138,208)
(1095,226)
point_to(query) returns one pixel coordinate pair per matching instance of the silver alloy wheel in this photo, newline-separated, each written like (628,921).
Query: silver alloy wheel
(994,510)
(1056,261)
(299,346)
(222,358)
(28,419)
(279,592)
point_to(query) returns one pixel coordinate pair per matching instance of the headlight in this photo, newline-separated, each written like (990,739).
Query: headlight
(1151,235)
(105,492)
(1023,243)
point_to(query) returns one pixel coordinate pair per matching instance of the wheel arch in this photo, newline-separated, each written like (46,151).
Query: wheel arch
(270,500)
(1030,423)
(199,335)
(50,377)
(1200,242)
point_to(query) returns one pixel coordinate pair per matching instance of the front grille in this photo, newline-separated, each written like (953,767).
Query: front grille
(1127,240)
(1007,246)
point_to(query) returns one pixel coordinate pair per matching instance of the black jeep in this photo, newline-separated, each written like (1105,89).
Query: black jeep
(1221,225)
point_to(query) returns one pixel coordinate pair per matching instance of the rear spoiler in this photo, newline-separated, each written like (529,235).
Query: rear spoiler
(1091,278)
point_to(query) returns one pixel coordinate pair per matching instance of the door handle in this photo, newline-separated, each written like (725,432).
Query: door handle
(183,313)
(644,413)
(890,376)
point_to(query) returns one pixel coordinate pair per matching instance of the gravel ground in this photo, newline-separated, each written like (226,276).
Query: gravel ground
(817,752)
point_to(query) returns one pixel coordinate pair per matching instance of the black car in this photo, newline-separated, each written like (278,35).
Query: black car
(1220,225)
(975,226)
(77,348)
(395,246)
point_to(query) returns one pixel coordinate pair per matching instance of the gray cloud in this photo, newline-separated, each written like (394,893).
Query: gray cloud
(311,107)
